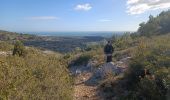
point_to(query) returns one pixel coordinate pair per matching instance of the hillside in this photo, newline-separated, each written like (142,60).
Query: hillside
(140,69)
(36,75)
(147,76)
(38,67)
(10,36)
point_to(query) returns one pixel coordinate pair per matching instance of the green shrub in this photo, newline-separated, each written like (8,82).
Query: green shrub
(82,60)
(19,49)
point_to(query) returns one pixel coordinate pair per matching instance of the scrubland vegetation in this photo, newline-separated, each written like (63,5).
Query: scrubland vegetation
(34,76)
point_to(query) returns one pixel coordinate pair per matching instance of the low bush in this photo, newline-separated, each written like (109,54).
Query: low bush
(82,60)
(19,49)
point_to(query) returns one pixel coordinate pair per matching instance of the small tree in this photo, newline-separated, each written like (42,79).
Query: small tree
(19,49)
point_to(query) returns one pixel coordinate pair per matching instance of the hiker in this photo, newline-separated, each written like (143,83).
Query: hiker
(108,50)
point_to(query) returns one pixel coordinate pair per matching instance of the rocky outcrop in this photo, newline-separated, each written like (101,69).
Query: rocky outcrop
(88,77)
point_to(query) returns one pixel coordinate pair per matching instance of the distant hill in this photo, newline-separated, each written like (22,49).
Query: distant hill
(156,25)
(10,36)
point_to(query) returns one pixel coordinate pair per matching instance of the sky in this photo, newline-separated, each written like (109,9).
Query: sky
(77,15)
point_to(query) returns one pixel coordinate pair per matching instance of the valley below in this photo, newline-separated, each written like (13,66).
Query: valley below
(64,44)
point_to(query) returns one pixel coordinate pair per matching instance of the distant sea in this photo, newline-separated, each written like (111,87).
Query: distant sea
(80,34)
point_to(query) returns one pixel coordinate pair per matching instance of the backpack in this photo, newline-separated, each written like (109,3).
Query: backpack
(108,49)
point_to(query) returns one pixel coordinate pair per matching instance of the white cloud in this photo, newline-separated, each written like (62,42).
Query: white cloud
(132,1)
(141,6)
(83,7)
(43,18)
(105,20)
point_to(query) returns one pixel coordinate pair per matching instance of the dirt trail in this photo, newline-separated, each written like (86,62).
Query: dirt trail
(83,91)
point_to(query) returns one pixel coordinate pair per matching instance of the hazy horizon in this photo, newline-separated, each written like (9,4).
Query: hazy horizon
(76,33)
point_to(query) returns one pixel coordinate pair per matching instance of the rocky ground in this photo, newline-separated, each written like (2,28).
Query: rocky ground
(87,78)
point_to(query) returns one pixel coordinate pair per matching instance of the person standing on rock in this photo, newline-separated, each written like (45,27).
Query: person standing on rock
(108,50)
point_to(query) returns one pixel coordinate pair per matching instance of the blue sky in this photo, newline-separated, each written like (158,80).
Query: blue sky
(77,15)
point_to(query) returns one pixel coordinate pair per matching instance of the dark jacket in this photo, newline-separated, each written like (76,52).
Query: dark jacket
(108,49)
